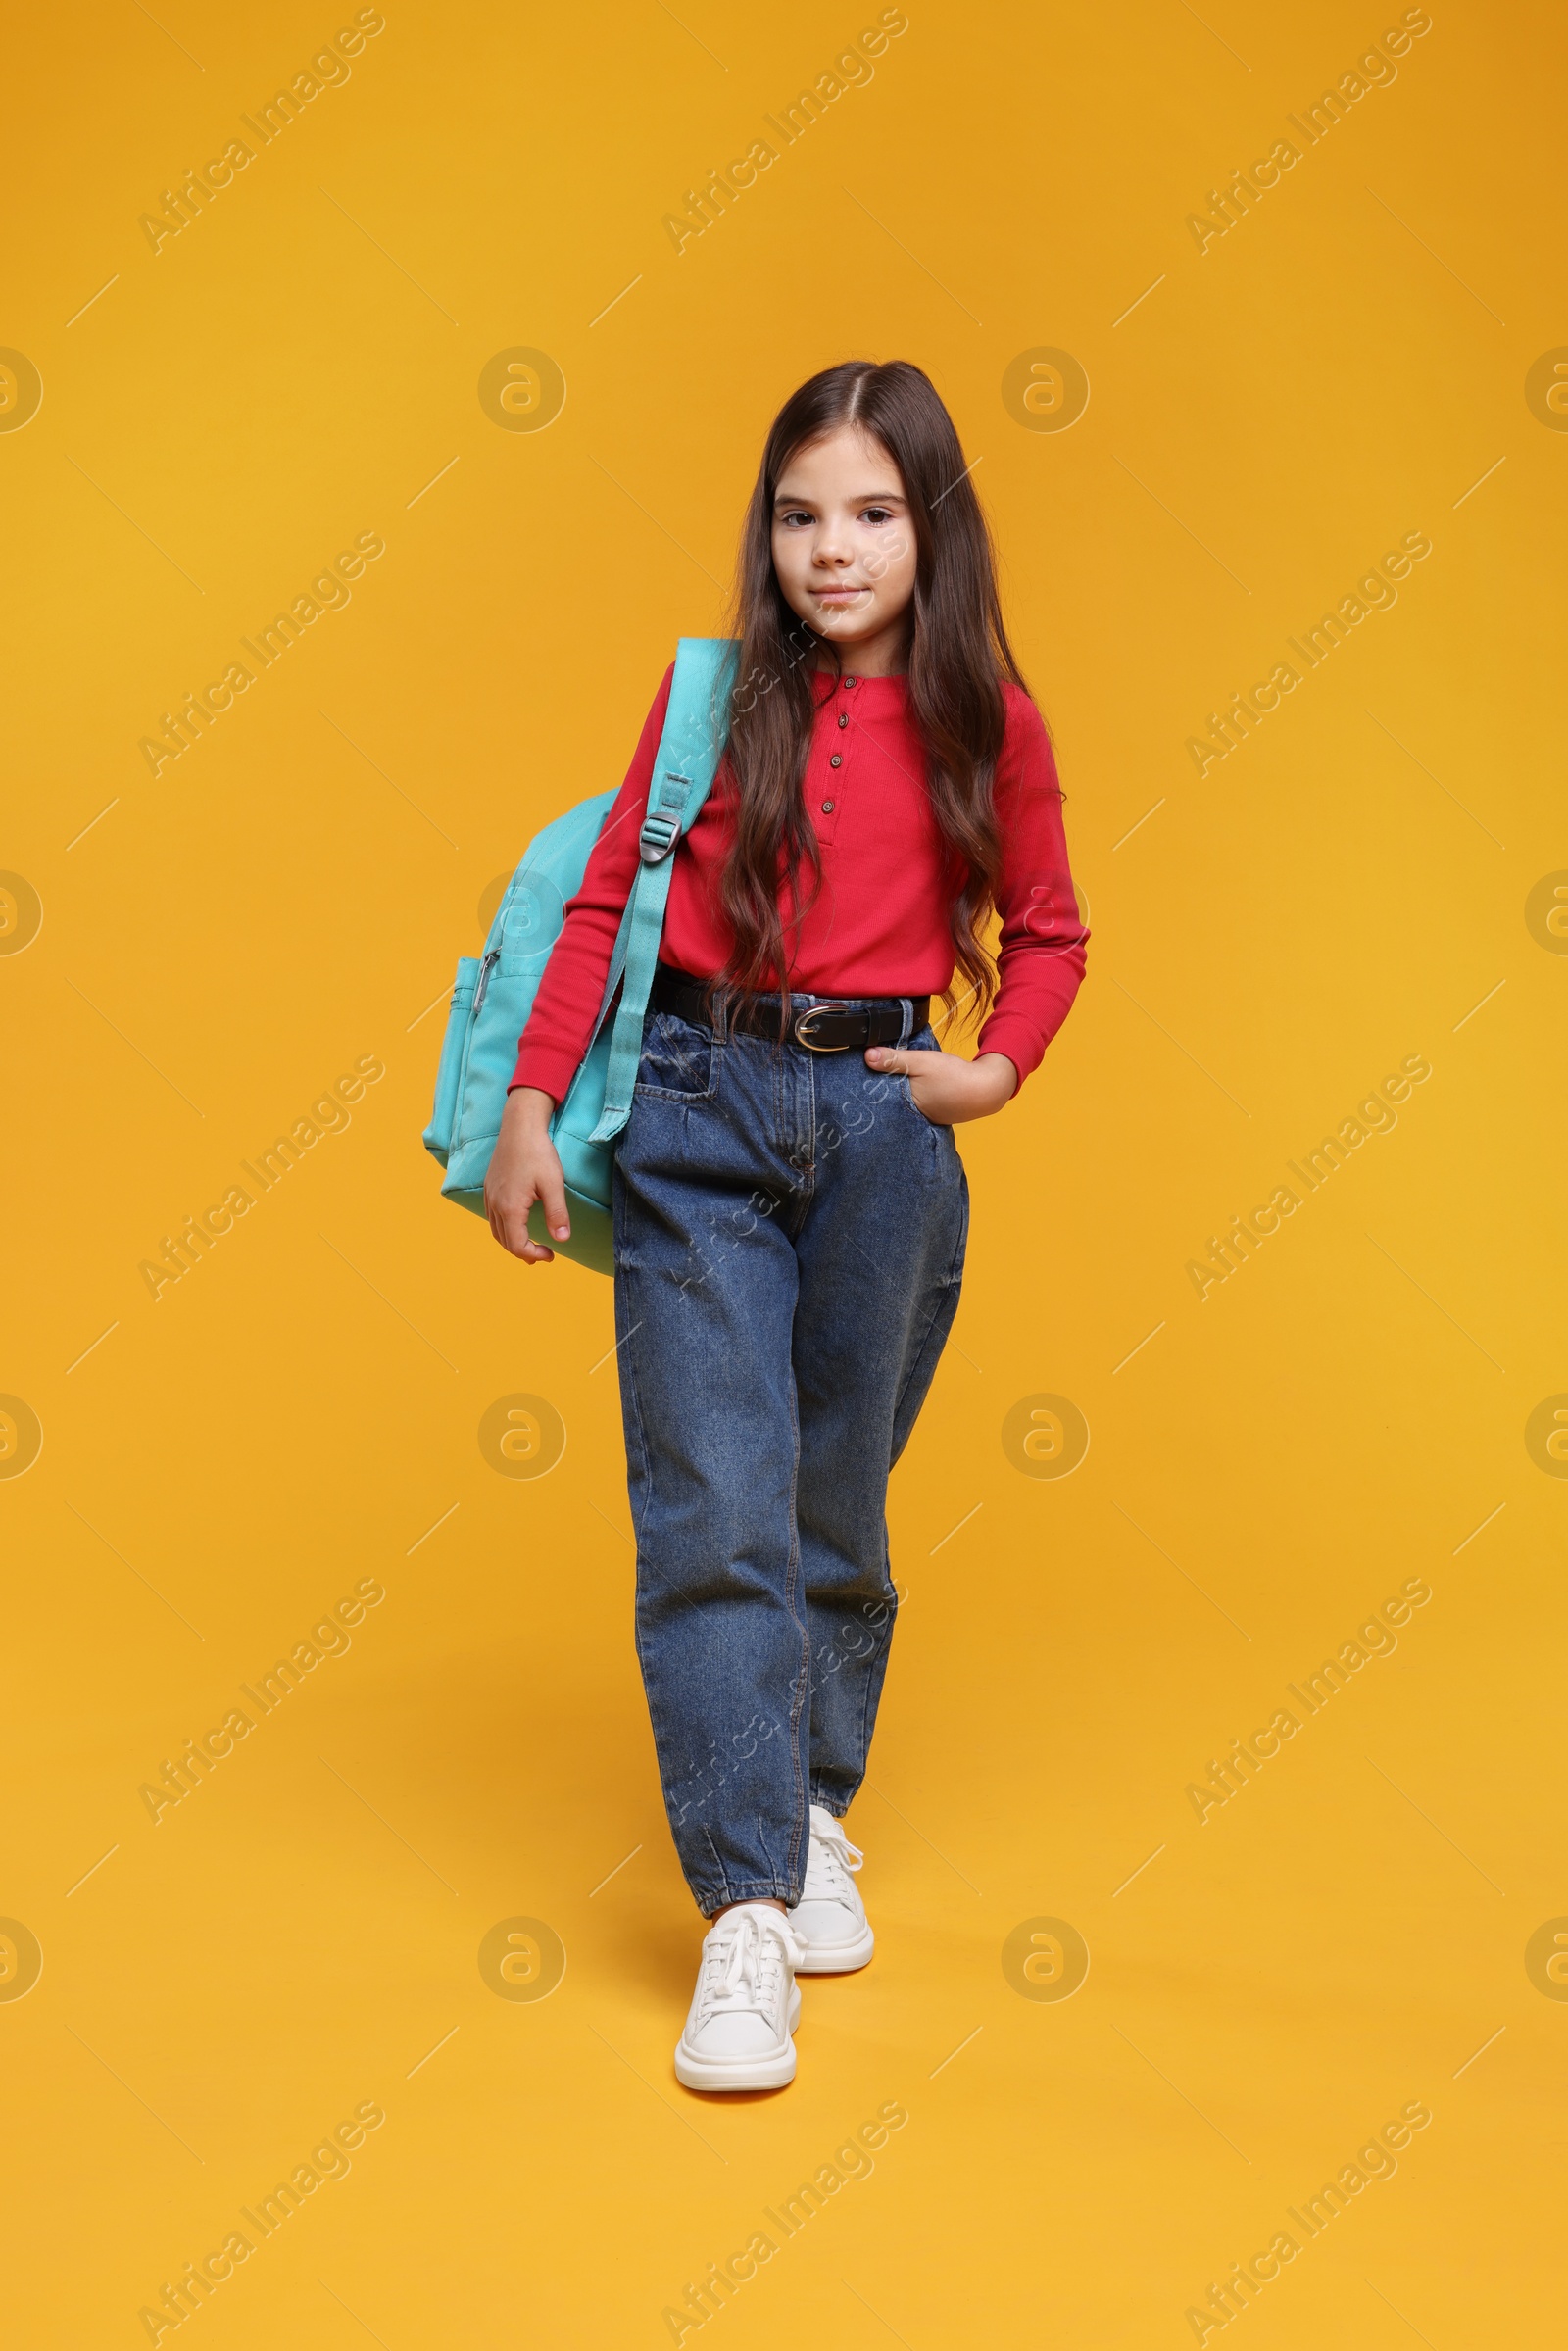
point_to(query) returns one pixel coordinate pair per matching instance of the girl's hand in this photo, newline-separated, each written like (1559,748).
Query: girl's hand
(524,1168)
(945,1089)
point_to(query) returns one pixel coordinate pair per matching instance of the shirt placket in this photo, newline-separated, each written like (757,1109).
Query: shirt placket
(829,802)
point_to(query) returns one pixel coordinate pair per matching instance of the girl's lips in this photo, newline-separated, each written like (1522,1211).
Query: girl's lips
(837,595)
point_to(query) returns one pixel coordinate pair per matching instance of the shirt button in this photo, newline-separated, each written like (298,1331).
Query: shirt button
(827,807)
(849,681)
(836,760)
(844,717)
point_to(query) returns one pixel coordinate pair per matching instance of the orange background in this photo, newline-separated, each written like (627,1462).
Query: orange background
(299,1414)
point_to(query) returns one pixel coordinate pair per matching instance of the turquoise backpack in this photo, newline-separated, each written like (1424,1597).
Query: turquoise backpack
(493,994)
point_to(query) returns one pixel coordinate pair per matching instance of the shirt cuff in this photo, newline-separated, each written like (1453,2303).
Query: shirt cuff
(1011,1034)
(546,1067)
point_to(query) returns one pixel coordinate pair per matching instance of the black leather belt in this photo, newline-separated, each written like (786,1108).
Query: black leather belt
(822,1028)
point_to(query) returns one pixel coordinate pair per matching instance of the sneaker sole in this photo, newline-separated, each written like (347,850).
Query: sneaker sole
(837,1959)
(774,2073)
(738,2073)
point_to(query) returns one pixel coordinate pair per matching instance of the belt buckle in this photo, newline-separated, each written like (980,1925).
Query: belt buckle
(802,1036)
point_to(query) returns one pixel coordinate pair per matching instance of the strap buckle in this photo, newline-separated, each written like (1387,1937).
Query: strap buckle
(803,1034)
(660,829)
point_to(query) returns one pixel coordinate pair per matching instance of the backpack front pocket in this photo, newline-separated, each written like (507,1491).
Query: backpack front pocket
(438,1134)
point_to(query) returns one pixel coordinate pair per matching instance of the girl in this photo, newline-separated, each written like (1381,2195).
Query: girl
(790,1209)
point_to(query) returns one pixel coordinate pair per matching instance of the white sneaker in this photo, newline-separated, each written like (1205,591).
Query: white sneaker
(829,1920)
(746,2005)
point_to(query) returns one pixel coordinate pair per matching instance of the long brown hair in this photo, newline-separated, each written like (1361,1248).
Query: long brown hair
(959,655)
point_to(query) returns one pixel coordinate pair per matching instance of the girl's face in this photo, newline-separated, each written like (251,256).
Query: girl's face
(844,548)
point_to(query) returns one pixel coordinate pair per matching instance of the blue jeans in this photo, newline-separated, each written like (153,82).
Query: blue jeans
(789,1243)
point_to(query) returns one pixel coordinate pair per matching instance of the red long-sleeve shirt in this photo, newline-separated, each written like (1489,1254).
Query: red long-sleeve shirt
(878,927)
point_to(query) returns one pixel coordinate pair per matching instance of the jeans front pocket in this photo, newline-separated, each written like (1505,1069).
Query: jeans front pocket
(925,1041)
(679,1061)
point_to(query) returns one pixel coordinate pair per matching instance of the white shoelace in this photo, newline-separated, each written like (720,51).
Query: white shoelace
(833,1849)
(742,1965)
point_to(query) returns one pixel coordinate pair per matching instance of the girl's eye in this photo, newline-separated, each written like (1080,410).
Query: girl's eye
(793,517)
(877,513)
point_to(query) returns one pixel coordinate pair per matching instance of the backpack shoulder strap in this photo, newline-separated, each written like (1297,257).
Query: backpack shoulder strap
(696,729)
